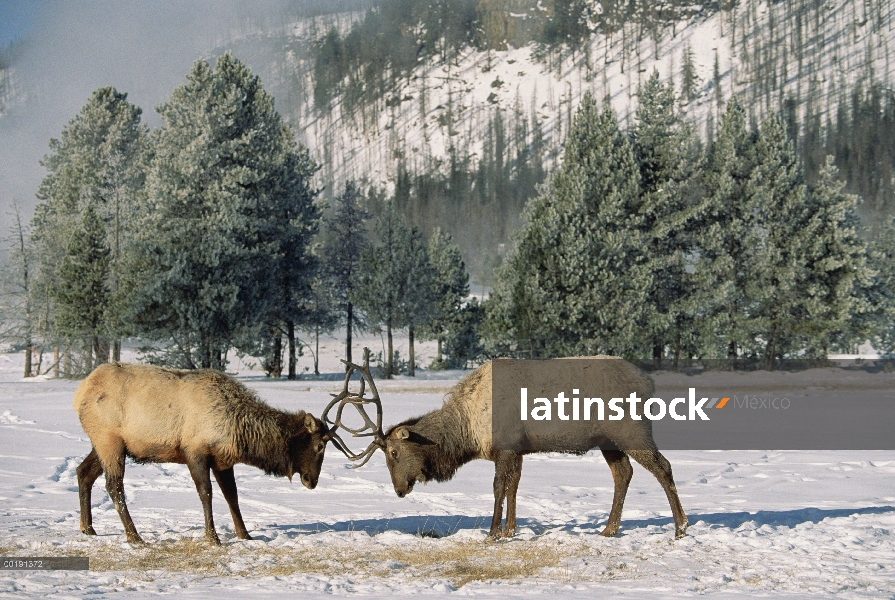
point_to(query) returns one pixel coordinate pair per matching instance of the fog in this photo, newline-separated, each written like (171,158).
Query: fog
(142,48)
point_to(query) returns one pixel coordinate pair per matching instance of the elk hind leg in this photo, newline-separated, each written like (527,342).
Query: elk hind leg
(88,472)
(621,475)
(504,465)
(199,470)
(227,483)
(658,465)
(113,465)
(512,487)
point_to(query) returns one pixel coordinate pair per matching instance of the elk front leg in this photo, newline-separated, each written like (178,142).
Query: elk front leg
(88,472)
(658,465)
(199,469)
(621,475)
(227,483)
(510,528)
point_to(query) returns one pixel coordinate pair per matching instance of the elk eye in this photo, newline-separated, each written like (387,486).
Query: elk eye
(394,454)
(319,448)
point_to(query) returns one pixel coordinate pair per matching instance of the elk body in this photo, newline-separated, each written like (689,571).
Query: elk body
(203,419)
(435,445)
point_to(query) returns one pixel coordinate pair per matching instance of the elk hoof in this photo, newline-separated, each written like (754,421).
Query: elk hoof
(135,539)
(243,536)
(493,536)
(609,531)
(213,539)
(89,530)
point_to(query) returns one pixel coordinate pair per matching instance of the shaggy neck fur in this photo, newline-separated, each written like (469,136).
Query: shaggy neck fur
(261,434)
(453,447)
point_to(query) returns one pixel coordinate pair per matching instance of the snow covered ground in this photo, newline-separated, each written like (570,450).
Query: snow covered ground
(763,523)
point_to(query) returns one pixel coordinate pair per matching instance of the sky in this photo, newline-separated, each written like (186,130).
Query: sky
(16,17)
(68,49)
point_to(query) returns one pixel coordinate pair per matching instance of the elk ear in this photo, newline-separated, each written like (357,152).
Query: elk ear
(403,433)
(310,423)
(421,440)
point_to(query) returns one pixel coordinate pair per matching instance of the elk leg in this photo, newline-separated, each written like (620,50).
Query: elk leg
(227,483)
(115,487)
(621,474)
(658,465)
(510,529)
(199,470)
(503,469)
(88,472)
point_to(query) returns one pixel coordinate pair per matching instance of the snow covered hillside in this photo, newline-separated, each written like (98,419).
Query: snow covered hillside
(765,52)
(763,523)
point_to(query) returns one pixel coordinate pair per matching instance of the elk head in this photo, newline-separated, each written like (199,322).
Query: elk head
(406,452)
(306,449)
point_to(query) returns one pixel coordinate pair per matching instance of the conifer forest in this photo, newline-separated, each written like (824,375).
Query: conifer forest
(612,183)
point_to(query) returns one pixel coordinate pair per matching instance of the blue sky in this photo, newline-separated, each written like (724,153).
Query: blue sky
(16,17)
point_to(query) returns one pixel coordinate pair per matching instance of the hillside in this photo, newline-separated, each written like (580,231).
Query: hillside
(462,113)
(505,109)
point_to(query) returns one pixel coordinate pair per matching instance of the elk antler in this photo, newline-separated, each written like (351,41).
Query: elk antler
(370,429)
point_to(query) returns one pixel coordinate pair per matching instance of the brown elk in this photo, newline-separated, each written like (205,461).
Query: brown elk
(204,419)
(435,445)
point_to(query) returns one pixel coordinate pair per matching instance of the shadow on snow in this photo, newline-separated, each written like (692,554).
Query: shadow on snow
(444,525)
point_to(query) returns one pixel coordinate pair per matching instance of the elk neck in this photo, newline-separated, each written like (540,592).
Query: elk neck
(454,445)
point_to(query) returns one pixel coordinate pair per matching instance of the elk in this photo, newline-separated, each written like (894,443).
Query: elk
(203,419)
(435,445)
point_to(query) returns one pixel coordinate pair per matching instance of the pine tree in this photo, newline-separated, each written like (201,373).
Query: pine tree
(342,252)
(451,287)
(209,241)
(776,277)
(666,153)
(839,276)
(723,220)
(82,294)
(381,281)
(99,159)
(418,303)
(689,78)
(294,219)
(880,320)
(577,280)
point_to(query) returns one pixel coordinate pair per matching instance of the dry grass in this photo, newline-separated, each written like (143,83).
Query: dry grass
(459,562)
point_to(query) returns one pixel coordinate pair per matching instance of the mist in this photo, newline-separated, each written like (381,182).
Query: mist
(142,48)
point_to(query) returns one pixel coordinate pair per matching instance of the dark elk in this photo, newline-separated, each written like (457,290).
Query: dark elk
(203,419)
(435,445)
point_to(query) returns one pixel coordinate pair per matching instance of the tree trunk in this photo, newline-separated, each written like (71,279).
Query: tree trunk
(439,350)
(56,362)
(317,350)
(389,361)
(290,326)
(66,367)
(657,354)
(411,361)
(771,350)
(349,326)
(116,351)
(276,366)
(28,350)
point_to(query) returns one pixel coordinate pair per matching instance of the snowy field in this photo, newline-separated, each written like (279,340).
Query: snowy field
(763,523)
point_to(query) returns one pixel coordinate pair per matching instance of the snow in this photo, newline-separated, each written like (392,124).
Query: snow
(839,47)
(763,523)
